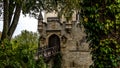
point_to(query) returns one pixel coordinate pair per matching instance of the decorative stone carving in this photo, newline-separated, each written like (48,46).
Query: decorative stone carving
(64,39)
(68,27)
(42,40)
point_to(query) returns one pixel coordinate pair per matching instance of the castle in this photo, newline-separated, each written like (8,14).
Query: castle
(68,36)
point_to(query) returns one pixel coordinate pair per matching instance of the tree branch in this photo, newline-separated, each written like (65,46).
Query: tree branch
(11,11)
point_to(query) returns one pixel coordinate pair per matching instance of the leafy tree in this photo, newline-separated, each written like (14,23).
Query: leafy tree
(101,20)
(13,8)
(68,7)
(20,53)
(26,45)
(19,49)
(27,39)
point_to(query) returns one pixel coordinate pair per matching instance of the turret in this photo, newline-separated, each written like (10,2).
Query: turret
(40,22)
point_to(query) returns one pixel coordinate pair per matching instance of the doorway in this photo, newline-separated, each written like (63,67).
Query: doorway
(54,40)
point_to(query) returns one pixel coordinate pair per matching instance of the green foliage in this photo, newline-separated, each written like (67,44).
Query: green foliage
(57,61)
(28,40)
(13,9)
(7,55)
(101,20)
(68,7)
(20,52)
(107,55)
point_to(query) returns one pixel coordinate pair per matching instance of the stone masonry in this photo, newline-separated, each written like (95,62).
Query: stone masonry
(73,46)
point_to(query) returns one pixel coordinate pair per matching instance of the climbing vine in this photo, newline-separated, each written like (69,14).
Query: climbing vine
(57,61)
(102,24)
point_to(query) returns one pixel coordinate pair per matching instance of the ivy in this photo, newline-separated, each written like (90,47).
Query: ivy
(57,61)
(102,24)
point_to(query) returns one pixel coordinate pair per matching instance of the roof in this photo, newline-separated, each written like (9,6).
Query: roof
(40,17)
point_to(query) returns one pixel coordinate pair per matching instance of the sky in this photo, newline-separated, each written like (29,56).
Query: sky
(25,23)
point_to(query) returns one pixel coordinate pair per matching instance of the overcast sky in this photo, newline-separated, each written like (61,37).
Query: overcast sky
(25,23)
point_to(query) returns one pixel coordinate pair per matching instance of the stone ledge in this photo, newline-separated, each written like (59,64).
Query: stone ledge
(79,50)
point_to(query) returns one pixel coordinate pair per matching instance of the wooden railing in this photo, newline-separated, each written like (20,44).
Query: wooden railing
(47,52)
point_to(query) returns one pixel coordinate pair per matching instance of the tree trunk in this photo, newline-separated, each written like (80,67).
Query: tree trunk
(11,18)
(6,20)
(14,22)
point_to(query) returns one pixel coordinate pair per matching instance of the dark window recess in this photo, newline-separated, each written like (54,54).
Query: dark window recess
(54,41)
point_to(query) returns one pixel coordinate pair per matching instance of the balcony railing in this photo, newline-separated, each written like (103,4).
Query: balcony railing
(48,52)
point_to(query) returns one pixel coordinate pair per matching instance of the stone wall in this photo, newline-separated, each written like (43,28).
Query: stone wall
(74,48)
(76,53)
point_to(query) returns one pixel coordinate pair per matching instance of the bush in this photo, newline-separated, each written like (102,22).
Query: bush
(17,55)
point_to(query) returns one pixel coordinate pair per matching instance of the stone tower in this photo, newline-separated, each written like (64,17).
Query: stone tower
(69,36)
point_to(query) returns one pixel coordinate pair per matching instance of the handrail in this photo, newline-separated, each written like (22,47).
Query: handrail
(48,52)
(48,48)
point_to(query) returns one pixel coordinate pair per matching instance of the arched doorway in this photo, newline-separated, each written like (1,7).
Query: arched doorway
(54,40)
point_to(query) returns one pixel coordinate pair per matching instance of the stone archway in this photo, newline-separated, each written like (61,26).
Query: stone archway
(54,40)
